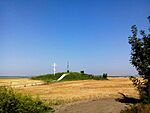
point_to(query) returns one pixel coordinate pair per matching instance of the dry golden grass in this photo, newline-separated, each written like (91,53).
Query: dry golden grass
(18,82)
(70,91)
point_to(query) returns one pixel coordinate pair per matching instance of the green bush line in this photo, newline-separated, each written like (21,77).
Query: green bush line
(13,102)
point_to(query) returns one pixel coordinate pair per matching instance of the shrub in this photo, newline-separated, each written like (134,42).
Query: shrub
(105,75)
(12,102)
(140,108)
(82,72)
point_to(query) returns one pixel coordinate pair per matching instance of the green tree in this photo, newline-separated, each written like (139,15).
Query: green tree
(140,58)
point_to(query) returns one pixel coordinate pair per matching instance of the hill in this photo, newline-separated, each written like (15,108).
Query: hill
(70,77)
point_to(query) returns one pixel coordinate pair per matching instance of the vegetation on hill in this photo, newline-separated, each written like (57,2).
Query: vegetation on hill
(12,102)
(69,77)
(48,77)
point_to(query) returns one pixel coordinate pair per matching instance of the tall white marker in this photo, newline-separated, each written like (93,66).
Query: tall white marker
(54,68)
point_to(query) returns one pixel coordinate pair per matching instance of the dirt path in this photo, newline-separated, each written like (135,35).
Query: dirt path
(93,106)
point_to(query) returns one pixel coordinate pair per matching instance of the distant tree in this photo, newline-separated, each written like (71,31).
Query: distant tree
(104,75)
(140,58)
(82,72)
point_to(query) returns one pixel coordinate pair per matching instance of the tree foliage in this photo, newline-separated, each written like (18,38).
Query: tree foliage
(140,58)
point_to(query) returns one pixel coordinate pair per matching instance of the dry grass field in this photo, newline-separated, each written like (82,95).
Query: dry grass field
(70,91)
(103,91)
(19,82)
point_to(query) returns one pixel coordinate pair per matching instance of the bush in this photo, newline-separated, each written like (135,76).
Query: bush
(82,72)
(140,108)
(12,102)
(105,75)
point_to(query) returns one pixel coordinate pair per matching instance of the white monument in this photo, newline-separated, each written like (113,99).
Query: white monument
(54,68)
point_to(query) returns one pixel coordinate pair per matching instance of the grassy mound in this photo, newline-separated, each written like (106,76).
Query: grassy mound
(69,77)
(12,102)
(48,77)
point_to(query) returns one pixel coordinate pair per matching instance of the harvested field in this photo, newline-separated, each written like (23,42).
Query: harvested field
(70,91)
(19,82)
(88,96)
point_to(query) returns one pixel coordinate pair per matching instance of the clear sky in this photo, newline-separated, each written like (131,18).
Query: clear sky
(91,34)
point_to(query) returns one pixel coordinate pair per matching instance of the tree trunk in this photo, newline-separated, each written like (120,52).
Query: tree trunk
(148,86)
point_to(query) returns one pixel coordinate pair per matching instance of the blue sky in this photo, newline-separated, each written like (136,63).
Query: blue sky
(91,34)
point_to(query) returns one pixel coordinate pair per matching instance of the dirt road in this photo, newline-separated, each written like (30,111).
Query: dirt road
(93,106)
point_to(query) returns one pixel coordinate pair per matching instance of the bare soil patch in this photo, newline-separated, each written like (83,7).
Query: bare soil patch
(92,106)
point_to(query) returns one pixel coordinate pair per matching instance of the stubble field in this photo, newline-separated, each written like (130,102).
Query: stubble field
(71,91)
